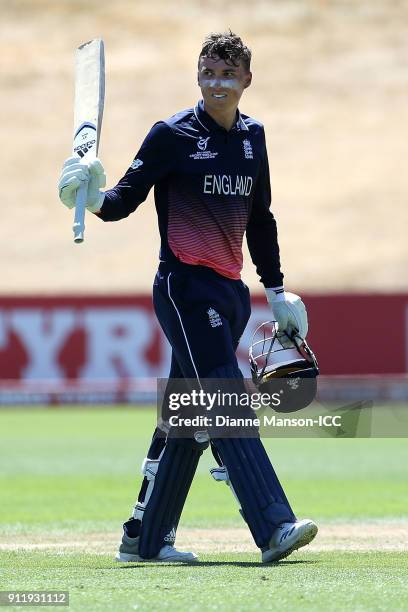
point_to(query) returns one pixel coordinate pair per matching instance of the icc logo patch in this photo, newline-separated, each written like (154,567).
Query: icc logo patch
(202,143)
(202,152)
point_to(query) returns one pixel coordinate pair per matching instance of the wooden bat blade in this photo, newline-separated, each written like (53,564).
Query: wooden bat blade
(89,97)
(88,112)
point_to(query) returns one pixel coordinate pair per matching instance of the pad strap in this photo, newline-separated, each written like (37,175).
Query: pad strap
(149,471)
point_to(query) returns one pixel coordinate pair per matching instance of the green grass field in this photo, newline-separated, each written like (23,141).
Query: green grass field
(68,479)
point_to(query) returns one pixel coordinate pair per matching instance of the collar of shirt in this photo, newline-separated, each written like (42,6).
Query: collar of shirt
(210,125)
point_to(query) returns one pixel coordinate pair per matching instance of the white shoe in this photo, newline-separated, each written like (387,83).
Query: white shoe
(289,537)
(169,553)
(129,547)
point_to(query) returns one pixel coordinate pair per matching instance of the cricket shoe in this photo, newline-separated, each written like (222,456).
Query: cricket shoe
(287,538)
(129,552)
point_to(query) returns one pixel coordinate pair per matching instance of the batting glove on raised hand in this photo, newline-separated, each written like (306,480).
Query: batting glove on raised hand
(74,172)
(289,312)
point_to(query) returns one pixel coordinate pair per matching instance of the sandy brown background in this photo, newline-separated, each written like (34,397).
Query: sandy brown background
(330,85)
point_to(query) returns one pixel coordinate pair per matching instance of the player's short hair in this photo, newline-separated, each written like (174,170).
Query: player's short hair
(228,47)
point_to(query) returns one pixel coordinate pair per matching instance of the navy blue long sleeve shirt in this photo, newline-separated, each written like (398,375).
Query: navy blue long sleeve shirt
(210,187)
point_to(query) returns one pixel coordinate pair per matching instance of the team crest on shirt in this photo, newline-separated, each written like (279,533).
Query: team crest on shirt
(247,149)
(214,317)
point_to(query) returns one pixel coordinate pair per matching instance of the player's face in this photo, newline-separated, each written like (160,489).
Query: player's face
(222,84)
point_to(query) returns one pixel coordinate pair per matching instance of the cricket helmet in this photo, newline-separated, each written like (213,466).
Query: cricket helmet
(284,364)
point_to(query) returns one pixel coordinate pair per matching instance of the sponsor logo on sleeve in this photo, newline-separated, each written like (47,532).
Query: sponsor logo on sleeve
(136,163)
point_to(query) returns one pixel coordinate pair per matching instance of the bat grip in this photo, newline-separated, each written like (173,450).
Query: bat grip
(79,218)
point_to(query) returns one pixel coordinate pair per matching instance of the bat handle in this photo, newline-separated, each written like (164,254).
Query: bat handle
(79,218)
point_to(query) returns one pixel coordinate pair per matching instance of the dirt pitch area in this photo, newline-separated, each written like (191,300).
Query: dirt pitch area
(342,536)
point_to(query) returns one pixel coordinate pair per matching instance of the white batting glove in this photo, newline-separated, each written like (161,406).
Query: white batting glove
(289,312)
(74,172)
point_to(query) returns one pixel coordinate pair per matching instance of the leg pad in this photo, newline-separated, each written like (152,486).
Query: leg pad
(263,501)
(172,482)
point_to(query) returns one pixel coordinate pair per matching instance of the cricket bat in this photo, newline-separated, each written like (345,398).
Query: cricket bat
(88,111)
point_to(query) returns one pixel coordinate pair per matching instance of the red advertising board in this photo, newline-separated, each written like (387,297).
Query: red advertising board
(359,334)
(117,338)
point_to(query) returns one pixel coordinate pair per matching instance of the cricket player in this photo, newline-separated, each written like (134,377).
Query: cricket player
(209,168)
